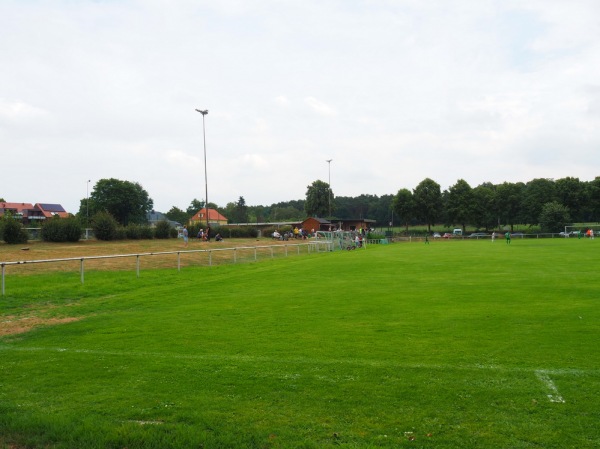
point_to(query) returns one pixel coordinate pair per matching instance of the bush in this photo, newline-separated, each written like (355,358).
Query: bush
(138,232)
(242,232)
(121,233)
(162,230)
(13,231)
(147,233)
(72,229)
(104,226)
(59,229)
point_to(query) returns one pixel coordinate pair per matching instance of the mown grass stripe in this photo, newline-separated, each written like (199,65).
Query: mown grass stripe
(542,374)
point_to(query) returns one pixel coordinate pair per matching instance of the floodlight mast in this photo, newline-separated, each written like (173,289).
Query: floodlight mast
(329,162)
(204,112)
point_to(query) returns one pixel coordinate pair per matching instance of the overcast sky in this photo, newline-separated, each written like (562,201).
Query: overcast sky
(393,91)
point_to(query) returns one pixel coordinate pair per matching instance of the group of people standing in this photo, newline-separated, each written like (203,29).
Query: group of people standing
(203,235)
(296,233)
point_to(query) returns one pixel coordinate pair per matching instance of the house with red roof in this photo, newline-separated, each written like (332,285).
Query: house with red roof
(52,210)
(214,217)
(28,213)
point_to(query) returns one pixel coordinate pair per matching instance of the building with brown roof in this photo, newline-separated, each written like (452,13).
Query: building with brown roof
(214,217)
(52,210)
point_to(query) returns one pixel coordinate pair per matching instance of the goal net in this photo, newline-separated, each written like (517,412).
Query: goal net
(586,230)
(340,240)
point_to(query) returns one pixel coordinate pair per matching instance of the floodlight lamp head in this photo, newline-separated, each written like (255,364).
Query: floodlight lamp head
(202,112)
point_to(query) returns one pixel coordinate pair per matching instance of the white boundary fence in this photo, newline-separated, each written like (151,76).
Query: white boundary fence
(255,252)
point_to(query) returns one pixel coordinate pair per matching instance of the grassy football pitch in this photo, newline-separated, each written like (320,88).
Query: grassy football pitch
(459,344)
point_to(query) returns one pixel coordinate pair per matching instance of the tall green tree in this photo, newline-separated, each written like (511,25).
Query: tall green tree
(240,211)
(509,198)
(346,207)
(485,214)
(554,217)
(126,201)
(537,192)
(428,202)
(592,206)
(404,207)
(317,199)
(459,203)
(178,215)
(381,209)
(257,214)
(570,193)
(194,207)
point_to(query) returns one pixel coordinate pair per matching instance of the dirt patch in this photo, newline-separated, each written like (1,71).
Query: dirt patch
(11,325)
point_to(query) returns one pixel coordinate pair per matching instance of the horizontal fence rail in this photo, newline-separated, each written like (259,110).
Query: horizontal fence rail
(227,255)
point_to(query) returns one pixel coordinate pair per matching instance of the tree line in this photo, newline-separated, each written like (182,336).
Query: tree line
(547,203)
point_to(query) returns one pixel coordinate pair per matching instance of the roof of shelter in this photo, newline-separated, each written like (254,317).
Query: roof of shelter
(320,220)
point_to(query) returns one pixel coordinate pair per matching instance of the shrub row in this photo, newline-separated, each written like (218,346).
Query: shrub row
(105,227)
(226,232)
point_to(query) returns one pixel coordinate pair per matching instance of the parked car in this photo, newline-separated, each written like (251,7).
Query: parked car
(478,235)
(447,235)
(436,235)
(568,234)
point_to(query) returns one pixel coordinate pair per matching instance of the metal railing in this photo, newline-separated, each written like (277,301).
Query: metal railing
(254,252)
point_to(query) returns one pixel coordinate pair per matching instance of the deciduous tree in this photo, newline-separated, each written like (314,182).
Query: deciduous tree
(459,203)
(554,217)
(126,201)
(428,202)
(317,199)
(403,205)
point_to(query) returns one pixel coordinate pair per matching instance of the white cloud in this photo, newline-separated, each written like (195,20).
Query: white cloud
(319,107)
(19,111)
(182,160)
(282,100)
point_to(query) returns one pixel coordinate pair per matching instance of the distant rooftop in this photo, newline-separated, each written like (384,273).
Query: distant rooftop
(52,207)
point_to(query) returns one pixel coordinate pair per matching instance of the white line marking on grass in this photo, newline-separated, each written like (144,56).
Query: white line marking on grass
(244,358)
(542,375)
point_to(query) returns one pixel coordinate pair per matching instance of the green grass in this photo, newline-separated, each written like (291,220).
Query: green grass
(450,345)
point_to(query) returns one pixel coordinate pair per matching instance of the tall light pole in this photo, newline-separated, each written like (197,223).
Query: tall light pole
(87,204)
(205,172)
(329,163)
(87,208)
